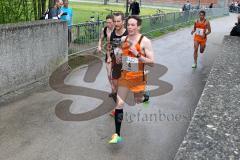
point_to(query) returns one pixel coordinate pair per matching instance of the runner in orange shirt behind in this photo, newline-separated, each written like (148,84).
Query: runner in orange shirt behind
(201,29)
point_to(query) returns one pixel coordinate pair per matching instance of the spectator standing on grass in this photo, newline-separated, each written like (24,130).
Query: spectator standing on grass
(134,8)
(67,14)
(187,6)
(236,4)
(231,7)
(54,12)
(186,9)
(211,5)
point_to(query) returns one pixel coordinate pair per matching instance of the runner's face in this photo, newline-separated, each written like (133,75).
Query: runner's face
(118,22)
(201,16)
(132,26)
(110,23)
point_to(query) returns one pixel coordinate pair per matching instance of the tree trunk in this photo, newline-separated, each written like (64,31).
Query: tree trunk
(34,4)
(43,6)
(51,3)
(105,2)
(2,19)
(39,5)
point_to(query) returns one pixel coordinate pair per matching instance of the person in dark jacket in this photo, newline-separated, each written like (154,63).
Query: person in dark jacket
(236,29)
(211,5)
(134,7)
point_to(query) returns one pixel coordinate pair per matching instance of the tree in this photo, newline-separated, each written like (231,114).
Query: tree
(12,11)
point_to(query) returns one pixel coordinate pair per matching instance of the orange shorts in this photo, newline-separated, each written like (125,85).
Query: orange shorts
(135,85)
(201,41)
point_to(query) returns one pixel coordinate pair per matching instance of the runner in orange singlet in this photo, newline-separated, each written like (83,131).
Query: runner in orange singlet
(136,52)
(201,29)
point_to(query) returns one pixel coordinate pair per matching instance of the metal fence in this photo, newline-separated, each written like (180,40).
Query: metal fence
(163,21)
(86,35)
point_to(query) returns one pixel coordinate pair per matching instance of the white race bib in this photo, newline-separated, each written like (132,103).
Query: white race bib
(199,31)
(130,64)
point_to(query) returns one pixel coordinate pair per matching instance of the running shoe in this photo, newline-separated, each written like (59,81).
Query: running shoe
(146,98)
(115,139)
(111,94)
(194,65)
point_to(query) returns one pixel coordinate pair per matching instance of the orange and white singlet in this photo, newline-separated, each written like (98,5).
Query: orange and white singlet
(132,75)
(200,31)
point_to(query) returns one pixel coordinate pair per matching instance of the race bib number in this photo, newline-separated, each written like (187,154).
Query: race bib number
(199,31)
(130,64)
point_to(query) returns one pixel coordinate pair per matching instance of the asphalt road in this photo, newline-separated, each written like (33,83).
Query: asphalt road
(33,128)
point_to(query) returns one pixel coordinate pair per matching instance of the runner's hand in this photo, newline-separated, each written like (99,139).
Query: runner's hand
(192,32)
(204,36)
(99,49)
(134,51)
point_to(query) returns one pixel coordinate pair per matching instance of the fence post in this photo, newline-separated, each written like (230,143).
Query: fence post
(78,31)
(174,19)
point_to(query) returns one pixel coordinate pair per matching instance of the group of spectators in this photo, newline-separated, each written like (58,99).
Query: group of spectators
(60,10)
(234,7)
(188,6)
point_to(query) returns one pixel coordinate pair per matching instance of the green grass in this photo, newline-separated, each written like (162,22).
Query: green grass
(83,11)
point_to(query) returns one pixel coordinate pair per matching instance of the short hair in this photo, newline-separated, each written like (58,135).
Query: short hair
(137,18)
(119,14)
(203,12)
(110,16)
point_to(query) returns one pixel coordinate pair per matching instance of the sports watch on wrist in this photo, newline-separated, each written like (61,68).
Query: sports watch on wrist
(138,55)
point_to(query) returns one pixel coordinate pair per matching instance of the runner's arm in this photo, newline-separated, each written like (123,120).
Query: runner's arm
(109,49)
(119,57)
(208,28)
(123,38)
(194,27)
(148,50)
(109,46)
(100,40)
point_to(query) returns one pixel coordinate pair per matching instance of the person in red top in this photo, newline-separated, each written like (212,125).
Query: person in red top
(135,52)
(201,29)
